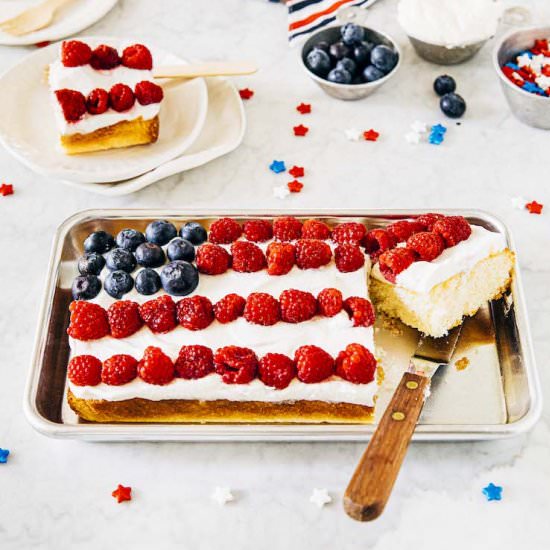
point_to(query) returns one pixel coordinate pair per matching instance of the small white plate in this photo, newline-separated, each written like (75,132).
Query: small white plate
(28,130)
(71,19)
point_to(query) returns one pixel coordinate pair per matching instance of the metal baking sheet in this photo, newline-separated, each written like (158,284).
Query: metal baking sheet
(490,390)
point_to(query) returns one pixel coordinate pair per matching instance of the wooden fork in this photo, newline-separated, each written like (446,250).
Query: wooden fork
(34,18)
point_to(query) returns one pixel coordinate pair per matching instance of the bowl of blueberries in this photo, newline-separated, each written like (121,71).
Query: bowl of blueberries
(350,61)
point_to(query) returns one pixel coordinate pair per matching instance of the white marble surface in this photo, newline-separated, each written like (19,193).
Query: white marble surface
(56,494)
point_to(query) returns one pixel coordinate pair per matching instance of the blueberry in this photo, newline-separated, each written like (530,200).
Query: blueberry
(361,52)
(148,281)
(352,33)
(179,278)
(453,105)
(99,241)
(181,249)
(194,232)
(339,76)
(383,58)
(444,84)
(120,258)
(347,64)
(118,283)
(371,73)
(160,232)
(318,62)
(129,239)
(86,287)
(91,264)
(324,46)
(339,50)
(150,255)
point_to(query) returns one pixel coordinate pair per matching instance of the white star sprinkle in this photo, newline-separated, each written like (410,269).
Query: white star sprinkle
(524,60)
(419,127)
(281,192)
(222,495)
(519,202)
(320,497)
(353,134)
(543,81)
(413,137)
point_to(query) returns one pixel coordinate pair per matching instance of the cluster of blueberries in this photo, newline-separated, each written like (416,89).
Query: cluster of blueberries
(351,60)
(132,248)
(452,104)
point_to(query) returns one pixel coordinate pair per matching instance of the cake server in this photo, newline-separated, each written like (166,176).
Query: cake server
(373,479)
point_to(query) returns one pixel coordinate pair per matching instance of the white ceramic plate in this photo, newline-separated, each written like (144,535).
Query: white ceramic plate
(28,130)
(73,18)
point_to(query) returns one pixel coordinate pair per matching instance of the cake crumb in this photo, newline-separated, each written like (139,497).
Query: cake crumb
(462,363)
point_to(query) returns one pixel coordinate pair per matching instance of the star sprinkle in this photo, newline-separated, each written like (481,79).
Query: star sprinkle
(4,453)
(419,127)
(436,139)
(371,135)
(246,93)
(518,202)
(122,493)
(492,492)
(437,134)
(304,108)
(297,171)
(413,137)
(439,129)
(295,186)
(352,134)
(320,497)
(277,166)
(300,130)
(6,189)
(281,192)
(534,207)
(222,495)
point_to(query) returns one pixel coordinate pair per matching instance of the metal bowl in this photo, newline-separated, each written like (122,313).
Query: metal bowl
(532,109)
(445,55)
(349,91)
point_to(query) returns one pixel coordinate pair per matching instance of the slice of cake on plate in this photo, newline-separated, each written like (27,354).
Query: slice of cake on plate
(103,98)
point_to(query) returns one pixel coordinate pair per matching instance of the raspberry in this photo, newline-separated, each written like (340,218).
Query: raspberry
(287,229)
(258,231)
(348,258)
(195,313)
(97,101)
(360,311)
(155,367)
(137,57)
(427,220)
(84,370)
(427,245)
(392,262)
(159,314)
(224,231)
(262,309)
(119,370)
(313,364)
(124,318)
(403,229)
(453,229)
(356,364)
(247,257)
(73,104)
(312,253)
(88,321)
(148,92)
(194,362)
(314,229)
(75,53)
(121,97)
(377,241)
(276,370)
(281,258)
(229,308)
(350,232)
(212,259)
(297,306)
(236,365)
(104,58)
(329,302)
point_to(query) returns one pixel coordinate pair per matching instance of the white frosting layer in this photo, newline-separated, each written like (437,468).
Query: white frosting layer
(449,22)
(423,276)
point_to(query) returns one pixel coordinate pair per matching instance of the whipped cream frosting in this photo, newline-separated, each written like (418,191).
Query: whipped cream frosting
(449,22)
(423,276)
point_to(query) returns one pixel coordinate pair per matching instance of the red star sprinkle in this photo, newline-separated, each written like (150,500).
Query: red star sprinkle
(534,207)
(297,171)
(304,108)
(43,44)
(295,186)
(122,493)
(300,130)
(6,189)
(371,135)
(246,93)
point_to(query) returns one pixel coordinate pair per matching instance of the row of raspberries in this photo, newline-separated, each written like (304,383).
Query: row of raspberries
(75,54)
(123,318)
(235,365)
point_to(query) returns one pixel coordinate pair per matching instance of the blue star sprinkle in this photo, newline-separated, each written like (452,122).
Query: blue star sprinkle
(436,139)
(512,66)
(277,166)
(439,129)
(4,453)
(492,492)
(532,88)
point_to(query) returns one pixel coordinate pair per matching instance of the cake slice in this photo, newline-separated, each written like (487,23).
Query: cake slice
(102,99)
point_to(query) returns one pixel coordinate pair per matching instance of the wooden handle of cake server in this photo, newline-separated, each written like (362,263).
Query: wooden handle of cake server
(209,68)
(372,482)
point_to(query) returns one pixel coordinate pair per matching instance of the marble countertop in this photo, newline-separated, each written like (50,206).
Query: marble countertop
(56,494)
